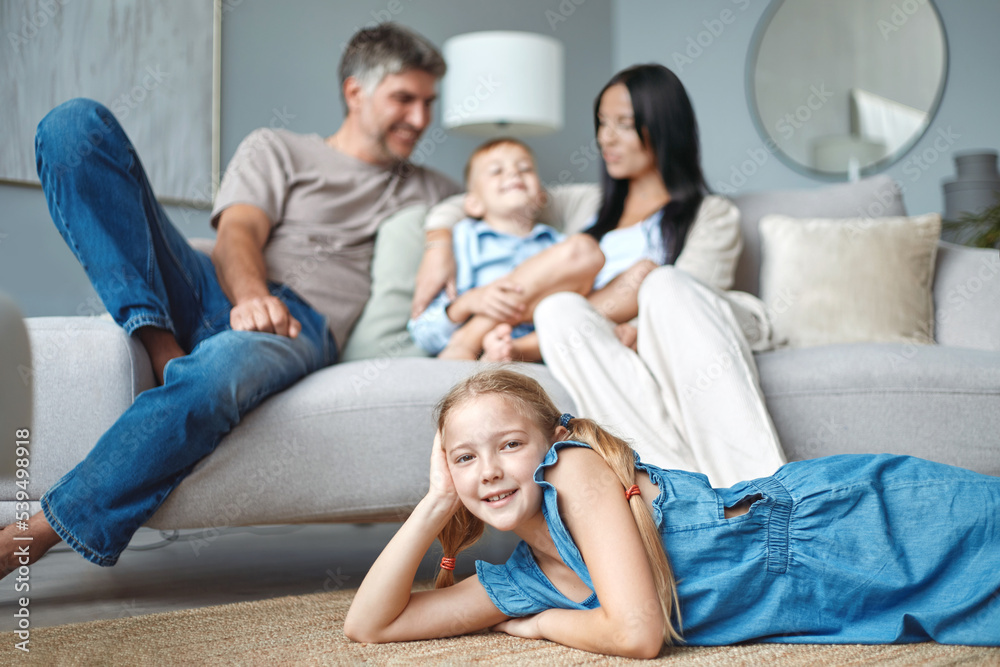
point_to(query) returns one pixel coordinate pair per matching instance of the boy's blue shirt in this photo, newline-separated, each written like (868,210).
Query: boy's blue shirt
(482,255)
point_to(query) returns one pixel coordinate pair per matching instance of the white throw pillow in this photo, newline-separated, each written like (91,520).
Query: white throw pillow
(849,280)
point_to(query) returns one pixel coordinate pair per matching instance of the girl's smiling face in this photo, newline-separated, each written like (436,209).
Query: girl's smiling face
(493,451)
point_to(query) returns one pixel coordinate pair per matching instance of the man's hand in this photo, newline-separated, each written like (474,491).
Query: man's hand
(436,272)
(239,263)
(266,314)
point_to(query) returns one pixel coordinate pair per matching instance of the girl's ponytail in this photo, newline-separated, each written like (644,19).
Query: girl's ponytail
(461,532)
(619,456)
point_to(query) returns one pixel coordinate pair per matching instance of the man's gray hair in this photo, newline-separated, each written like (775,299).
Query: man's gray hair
(388,48)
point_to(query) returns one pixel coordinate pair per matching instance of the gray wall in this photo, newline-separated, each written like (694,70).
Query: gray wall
(279,64)
(288,74)
(653,30)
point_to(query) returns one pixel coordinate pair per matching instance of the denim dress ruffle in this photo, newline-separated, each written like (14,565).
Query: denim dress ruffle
(865,549)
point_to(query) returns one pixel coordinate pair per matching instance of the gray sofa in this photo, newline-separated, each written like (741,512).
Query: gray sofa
(351,443)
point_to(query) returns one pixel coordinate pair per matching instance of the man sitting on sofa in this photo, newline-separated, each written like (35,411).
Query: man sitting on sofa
(296,217)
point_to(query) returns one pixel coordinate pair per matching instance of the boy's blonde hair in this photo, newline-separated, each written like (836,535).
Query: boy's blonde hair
(490,145)
(529,398)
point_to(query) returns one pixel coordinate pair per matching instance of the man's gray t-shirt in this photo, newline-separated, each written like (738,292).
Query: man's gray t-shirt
(325,207)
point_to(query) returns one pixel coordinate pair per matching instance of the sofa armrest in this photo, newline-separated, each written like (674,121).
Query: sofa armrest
(15,384)
(73,358)
(966,297)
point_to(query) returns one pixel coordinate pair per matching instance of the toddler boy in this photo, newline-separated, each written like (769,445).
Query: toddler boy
(503,200)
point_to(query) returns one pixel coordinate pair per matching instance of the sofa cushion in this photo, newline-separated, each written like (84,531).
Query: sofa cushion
(849,280)
(868,198)
(967,297)
(938,403)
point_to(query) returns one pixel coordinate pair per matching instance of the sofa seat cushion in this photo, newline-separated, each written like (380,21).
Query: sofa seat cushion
(939,403)
(347,443)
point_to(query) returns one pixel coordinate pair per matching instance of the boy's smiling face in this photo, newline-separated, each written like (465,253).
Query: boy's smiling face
(503,184)
(492,451)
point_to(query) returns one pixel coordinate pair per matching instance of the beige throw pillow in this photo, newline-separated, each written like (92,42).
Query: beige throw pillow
(849,280)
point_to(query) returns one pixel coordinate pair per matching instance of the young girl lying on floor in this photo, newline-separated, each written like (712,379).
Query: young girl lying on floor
(619,556)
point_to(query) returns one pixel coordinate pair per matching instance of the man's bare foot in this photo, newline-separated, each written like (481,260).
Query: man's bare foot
(498,344)
(22,543)
(161,346)
(627,334)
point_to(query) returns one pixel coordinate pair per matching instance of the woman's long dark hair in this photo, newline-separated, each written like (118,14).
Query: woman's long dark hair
(665,118)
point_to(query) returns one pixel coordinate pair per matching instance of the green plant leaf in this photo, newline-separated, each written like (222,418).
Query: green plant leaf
(983,227)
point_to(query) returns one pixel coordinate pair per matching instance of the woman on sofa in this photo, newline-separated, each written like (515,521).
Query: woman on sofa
(683,383)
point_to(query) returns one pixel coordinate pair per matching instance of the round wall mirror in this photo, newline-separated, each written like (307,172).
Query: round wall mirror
(845,88)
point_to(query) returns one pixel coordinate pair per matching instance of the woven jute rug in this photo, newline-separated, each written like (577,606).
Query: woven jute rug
(308,630)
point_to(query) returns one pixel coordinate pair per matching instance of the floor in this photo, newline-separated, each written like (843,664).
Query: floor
(203,568)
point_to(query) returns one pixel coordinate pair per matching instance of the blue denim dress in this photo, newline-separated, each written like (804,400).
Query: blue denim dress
(844,549)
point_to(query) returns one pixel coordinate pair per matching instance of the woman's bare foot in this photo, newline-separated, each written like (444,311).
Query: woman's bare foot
(161,346)
(22,543)
(498,344)
(627,334)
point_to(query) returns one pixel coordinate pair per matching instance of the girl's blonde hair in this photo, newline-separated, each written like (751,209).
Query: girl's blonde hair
(528,397)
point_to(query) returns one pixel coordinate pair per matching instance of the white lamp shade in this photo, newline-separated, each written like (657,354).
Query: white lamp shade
(510,82)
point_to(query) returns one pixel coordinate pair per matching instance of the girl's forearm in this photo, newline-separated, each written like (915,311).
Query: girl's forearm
(385,591)
(638,635)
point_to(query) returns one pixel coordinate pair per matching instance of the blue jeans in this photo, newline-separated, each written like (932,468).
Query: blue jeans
(148,275)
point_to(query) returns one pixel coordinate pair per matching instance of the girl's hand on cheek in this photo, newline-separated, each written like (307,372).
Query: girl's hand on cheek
(441,484)
(526,627)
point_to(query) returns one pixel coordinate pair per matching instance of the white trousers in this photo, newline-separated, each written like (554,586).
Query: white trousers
(690,399)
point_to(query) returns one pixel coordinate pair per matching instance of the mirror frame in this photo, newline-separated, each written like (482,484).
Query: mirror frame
(876,167)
